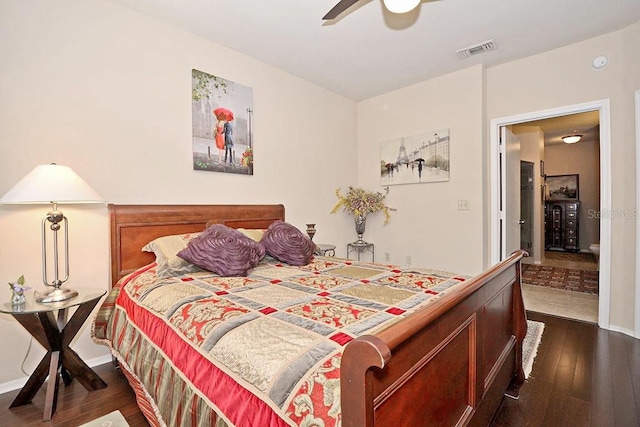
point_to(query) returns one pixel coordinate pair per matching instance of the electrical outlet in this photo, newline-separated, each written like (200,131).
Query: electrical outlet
(387,257)
(463,205)
(408,260)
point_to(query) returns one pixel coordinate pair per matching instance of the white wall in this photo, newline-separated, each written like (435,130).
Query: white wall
(564,77)
(427,226)
(583,159)
(107,91)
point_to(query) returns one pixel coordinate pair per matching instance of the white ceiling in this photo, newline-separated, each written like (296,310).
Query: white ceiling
(368,51)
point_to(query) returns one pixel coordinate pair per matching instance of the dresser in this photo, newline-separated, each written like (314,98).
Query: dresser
(561,225)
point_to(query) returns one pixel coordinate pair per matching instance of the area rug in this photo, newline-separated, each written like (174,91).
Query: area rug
(530,345)
(113,419)
(560,278)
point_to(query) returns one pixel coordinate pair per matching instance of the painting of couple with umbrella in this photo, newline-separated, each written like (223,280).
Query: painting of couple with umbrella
(222,125)
(415,159)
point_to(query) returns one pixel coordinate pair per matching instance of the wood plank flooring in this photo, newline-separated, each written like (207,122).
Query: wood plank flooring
(583,376)
(76,405)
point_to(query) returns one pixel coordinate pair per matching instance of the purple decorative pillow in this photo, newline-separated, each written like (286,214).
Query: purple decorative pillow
(286,243)
(224,251)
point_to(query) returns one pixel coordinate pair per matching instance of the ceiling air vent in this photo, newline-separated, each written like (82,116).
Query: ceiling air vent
(476,49)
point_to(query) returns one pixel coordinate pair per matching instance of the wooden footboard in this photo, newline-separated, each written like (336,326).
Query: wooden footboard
(447,365)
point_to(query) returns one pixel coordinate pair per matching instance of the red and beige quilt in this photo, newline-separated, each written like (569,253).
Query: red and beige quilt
(262,350)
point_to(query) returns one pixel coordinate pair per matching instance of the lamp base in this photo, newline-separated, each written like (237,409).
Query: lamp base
(56,295)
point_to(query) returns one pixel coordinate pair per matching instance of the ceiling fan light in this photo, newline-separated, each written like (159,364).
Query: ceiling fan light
(401,6)
(571,139)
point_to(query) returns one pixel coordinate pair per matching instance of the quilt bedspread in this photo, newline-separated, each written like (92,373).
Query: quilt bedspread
(263,349)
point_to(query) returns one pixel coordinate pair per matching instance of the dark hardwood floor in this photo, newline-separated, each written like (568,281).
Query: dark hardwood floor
(76,405)
(582,376)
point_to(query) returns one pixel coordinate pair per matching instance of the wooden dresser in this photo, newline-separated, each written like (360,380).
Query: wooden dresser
(561,225)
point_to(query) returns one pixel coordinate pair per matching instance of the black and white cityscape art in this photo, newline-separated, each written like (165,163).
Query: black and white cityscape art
(415,159)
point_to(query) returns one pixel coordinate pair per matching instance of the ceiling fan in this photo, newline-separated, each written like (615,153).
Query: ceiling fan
(395,6)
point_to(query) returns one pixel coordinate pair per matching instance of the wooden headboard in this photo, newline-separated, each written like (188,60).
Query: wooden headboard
(133,226)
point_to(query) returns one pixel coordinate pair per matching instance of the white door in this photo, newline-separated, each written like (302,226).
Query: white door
(511,192)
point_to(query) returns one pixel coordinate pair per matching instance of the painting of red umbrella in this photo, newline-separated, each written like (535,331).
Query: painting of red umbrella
(222,124)
(223,114)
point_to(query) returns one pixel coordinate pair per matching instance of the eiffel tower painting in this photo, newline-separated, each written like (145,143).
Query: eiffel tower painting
(415,159)
(403,159)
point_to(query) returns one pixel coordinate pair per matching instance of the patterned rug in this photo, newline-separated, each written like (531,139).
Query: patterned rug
(560,278)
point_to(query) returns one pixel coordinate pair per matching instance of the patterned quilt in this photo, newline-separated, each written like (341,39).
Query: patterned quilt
(262,350)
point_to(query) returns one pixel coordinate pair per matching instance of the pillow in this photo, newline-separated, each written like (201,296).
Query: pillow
(253,233)
(286,243)
(166,249)
(224,251)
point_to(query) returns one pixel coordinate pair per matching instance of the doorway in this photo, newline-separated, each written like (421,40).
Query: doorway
(500,225)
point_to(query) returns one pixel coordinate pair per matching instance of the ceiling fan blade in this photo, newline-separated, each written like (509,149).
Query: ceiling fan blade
(339,8)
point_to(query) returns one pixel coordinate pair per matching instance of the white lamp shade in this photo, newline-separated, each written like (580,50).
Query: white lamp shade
(401,6)
(51,184)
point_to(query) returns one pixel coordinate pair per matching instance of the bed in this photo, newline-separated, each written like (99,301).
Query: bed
(356,344)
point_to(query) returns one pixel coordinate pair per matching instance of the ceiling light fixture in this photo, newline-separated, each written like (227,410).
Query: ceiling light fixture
(401,6)
(571,139)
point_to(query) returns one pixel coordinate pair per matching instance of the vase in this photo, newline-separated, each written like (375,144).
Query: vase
(17,298)
(311,230)
(361,223)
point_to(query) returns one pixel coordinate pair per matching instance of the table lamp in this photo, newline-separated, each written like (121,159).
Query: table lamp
(55,184)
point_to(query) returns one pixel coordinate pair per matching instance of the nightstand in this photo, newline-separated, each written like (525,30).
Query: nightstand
(325,250)
(55,335)
(360,247)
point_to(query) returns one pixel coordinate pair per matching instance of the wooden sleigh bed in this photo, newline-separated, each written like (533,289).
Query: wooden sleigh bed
(448,363)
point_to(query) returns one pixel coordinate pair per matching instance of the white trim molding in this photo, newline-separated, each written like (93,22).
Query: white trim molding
(602,106)
(637,299)
(20,382)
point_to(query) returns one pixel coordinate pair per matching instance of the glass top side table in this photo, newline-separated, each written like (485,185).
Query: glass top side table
(55,335)
(359,247)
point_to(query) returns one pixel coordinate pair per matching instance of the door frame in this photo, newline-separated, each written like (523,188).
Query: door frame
(637,304)
(496,224)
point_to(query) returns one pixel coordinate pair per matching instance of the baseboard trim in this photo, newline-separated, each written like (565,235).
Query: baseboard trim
(20,382)
(622,330)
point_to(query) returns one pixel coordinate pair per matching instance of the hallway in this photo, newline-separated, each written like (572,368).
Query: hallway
(562,303)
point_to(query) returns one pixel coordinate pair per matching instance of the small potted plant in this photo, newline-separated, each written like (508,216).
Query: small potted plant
(17,291)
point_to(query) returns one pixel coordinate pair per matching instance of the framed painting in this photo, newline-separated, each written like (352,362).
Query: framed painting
(562,187)
(222,134)
(415,159)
